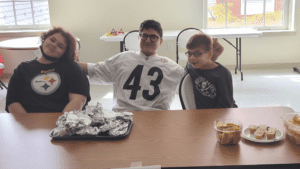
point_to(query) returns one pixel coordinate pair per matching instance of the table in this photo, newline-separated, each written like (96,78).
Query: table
(237,33)
(174,138)
(28,43)
(19,50)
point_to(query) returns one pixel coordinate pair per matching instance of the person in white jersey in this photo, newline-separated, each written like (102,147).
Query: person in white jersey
(141,80)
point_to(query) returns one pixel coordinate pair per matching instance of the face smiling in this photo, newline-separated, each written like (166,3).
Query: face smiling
(201,62)
(148,47)
(55,45)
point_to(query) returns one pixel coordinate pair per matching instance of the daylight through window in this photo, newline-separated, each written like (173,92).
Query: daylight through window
(263,14)
(24,14)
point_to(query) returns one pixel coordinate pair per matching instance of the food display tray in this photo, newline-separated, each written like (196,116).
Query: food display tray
(100,136)
(251,137)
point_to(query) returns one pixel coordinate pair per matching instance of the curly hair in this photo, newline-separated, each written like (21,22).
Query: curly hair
(199,40)
(71,41)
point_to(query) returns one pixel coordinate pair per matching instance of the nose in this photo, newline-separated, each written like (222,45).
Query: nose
(191,56)
(148,39)
(54,45)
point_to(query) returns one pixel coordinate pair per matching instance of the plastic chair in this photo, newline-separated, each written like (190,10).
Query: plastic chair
(181,41)
(2,66)
(131,41)
(186,93)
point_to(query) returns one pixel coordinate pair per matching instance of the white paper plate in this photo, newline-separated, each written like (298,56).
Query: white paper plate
(246,134)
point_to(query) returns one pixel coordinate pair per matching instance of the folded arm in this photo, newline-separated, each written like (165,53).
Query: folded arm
(16,107)
(76,102)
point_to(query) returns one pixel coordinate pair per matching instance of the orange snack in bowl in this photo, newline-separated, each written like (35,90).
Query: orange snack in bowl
(228,131)
(236,137)
(226,137)
(296,119)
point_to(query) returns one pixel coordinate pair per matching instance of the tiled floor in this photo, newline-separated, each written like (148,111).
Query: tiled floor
(260,88)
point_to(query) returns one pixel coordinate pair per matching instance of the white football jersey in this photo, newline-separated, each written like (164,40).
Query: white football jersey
(139,82)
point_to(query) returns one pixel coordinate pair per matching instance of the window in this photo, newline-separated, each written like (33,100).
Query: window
(259,14)
(24,14)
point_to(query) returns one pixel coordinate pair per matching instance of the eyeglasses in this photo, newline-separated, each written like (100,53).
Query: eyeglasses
(196,54)
(153,38)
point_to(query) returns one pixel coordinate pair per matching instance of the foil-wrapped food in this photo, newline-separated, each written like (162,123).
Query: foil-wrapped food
(92,121)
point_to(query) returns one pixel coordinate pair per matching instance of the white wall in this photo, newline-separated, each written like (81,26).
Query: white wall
(90,19)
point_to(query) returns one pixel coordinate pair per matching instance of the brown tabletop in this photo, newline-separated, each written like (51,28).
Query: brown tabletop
(176,138)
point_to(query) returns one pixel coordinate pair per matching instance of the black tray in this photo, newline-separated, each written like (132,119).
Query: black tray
(100,136)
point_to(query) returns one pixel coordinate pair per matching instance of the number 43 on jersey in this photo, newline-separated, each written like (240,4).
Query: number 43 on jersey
(135,76)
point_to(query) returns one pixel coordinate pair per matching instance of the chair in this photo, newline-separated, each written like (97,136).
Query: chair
(181,41)
(131,41)
(2,66)
(186,93)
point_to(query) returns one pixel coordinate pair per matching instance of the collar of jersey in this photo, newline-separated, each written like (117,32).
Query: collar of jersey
(148,57)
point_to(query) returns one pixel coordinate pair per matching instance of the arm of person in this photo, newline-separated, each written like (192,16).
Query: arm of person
(84,67)
(16,107)
(14,90)
(217,49)
(76,102)
(106,72)
(78,88)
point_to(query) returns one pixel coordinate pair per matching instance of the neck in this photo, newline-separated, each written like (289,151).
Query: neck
(148,54)
(44,60)
(209,65)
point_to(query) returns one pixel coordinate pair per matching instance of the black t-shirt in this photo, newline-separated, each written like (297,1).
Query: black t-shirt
(46,87)
(212,88)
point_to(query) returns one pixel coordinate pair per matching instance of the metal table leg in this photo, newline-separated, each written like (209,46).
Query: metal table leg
(121,46)
(238,48)
(2,84)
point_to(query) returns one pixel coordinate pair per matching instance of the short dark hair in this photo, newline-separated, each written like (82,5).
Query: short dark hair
(69,54)
(147,24)
(198,40)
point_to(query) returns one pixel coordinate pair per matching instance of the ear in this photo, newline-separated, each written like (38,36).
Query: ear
(210,53)
(161,41)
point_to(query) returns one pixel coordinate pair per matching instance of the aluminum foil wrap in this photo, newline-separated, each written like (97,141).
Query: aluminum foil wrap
(92,121)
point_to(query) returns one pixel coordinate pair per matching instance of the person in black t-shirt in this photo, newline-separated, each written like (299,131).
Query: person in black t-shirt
(212,82)
(53,82)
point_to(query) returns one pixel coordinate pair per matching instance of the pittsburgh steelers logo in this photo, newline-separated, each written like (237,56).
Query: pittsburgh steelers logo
(164,60)
(45,84)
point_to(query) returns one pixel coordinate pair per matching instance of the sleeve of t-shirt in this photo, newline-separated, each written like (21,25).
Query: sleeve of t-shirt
(225,92)
(77,81)
(104,72)
(14,88)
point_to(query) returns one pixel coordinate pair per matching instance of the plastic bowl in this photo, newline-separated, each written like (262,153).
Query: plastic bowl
(291,131)
(228,135)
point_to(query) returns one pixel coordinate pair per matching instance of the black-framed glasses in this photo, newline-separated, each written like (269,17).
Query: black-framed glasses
(196,54)
(153,38)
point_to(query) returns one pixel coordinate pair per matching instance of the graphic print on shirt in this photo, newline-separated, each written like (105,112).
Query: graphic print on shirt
(205,88)
(135,76)
(46,84)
